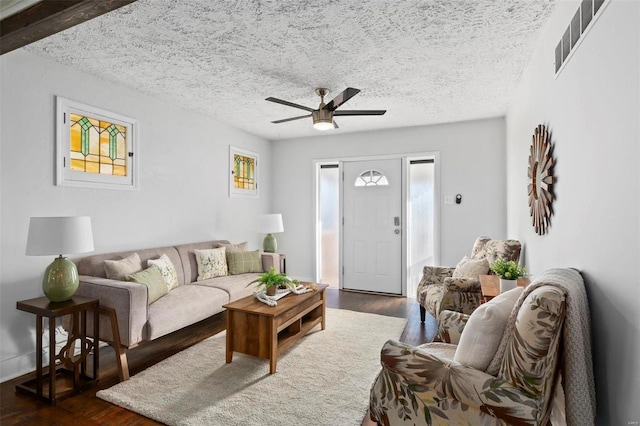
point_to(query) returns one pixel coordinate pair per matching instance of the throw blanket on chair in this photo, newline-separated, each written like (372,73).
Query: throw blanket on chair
(577,368)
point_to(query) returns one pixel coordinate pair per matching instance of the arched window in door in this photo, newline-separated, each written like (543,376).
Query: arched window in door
(371,178)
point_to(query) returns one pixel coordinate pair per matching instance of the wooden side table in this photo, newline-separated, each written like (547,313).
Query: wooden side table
(490,285)
(65,362)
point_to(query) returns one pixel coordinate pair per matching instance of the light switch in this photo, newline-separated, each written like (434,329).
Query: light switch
(448,199)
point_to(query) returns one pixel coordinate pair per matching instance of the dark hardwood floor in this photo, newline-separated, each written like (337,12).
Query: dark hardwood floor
(87,409)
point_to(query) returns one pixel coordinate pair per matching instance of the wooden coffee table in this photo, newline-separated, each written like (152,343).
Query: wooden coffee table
(490,285)
(257,329)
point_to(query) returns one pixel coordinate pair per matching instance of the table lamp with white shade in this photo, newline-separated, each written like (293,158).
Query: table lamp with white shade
(59,235)
(270,224)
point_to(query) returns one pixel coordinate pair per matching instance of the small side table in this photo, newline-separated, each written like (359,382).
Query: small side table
(65,362)
(490,285)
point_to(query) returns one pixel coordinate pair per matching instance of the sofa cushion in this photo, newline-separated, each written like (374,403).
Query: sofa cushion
(482,333)
(236,286)
(167,270)
(471,268)
(119,269)
(188,257)
(244,246)
(153,279)
(211,263)
(183,306)
(242,262)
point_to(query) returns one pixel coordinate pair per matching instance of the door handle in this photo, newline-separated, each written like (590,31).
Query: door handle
(397,231)
(396,221)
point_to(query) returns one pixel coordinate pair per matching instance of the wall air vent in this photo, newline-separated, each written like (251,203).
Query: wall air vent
(584,18)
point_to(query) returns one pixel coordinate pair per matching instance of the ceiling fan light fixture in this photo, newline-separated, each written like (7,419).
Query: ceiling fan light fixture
(322,119)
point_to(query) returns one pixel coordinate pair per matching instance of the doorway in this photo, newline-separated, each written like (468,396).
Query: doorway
(418,219)
(372,226)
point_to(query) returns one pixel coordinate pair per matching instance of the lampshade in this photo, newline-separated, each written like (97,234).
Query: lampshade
(270,223)
(59,235)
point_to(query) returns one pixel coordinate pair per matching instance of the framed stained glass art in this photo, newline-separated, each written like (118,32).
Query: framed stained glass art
(243,173)
(95,148)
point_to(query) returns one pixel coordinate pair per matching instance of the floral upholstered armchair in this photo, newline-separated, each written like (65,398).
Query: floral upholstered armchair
(542,359)
(442,289)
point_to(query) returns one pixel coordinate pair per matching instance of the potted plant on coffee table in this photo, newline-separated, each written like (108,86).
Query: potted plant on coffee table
(271,280)
(509,272)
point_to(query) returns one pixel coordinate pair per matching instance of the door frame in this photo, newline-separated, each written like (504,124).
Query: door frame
(406,158)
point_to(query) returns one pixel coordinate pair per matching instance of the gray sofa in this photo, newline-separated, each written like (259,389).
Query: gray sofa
(127,320)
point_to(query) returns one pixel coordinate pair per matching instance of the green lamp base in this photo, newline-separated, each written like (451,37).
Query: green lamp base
(270,245)
(60,280)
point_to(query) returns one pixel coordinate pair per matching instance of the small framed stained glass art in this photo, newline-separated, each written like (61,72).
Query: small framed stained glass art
(95,148)
(243,173)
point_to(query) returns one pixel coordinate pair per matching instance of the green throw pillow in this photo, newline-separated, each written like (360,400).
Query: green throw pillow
(152,278)
(242,262)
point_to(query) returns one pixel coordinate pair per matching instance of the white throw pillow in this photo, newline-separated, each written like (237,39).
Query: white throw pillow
(118,269)
(471,268)
(167,270)
(482,333)
(211,263)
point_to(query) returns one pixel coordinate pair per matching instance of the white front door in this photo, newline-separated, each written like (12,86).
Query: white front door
(372,229)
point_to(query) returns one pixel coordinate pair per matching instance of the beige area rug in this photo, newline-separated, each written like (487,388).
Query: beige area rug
(322,380)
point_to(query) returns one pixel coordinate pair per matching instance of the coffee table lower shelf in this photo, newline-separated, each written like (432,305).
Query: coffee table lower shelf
(254,328)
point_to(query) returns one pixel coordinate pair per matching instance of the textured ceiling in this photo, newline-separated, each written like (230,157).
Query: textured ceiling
(425,62)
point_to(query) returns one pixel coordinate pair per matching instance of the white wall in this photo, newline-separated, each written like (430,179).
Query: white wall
(182,194)
(472,161)
(593,111)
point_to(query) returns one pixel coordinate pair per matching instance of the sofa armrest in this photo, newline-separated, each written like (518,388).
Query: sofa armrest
(450,326)
(432,379)
(270,260)
(433,275)
(128,299)
(460,295)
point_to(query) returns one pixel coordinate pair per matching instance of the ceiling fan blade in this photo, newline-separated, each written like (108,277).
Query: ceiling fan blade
(291,119)
(360,112)
(343,97)
(291,104)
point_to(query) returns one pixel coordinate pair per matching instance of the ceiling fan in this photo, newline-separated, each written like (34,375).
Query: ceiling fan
(323,116)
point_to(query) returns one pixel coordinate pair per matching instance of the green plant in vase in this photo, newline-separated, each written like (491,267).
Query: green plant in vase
(271,280)
(508,269)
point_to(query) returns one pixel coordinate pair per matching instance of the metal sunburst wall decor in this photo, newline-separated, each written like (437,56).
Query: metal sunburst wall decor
(540,174)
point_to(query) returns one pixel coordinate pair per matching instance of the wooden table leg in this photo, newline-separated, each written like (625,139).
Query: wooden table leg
(324,312)
(273,347)
(39,330)
(52,360)
(229,356)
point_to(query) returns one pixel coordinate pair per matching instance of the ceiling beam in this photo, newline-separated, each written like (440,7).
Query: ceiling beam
(49,17)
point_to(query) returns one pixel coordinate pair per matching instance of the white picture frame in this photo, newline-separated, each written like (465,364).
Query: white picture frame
(244,163)
(125,158)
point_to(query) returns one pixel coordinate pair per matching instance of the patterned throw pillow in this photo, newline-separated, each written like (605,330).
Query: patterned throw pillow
(167,270)
(152,278)
(118,269)
(242,262)
(471,268)
(211,263)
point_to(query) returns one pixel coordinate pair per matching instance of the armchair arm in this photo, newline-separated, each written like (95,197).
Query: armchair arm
(450,326)
(434,275)
(270,260)
(451,391)
(461,295)
(128,299)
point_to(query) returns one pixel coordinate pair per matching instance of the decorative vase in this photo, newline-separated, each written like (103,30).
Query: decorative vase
(506,285)
(271,291)
(60,280)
